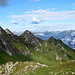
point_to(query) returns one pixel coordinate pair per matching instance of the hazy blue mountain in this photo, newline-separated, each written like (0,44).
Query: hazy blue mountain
(68,37)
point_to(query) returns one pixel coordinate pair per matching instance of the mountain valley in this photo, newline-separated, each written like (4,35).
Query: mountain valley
(29,55)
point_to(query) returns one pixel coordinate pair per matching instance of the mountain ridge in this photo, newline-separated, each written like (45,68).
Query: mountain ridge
(30,39)
(68,36)
(51,50)
(6,43)
(31,55)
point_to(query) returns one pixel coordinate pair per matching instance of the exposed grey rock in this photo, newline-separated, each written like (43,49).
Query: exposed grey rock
(6,44)
(8,32)
(31,40)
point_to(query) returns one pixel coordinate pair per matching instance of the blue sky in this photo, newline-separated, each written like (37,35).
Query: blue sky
(37,15)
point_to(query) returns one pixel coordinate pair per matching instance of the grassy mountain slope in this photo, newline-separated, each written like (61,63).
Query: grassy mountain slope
(4,57)
(50,52)
(8,52)
(36,56)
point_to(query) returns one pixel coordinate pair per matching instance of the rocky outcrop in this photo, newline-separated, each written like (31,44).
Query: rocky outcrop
(8,32)
(31,40)
(6,44)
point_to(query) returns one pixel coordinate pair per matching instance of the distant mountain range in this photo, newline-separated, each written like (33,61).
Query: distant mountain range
(30,55)
(68,37)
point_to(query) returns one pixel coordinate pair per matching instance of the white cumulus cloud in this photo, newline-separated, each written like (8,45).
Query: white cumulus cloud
(45,15)
(14,22)
(35,20)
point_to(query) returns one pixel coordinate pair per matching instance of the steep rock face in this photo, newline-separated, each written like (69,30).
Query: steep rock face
(2,32)
(12,36)
(31,40)
(8,32)
(6,44)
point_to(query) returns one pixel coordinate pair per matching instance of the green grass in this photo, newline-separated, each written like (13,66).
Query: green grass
(67,68)
(44,59)
(4,57)
(46,54)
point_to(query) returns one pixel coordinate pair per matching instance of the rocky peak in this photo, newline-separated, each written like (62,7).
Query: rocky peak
(1,31)
(27,34)
(30,39)
(55,42)
(6,43)
(27,31)
(8,31)
(52,40)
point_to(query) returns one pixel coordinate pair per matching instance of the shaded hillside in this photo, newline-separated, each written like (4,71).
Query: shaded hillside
(8,52)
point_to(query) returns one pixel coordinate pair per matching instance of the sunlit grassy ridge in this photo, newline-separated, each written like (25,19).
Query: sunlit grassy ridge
(35,68)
